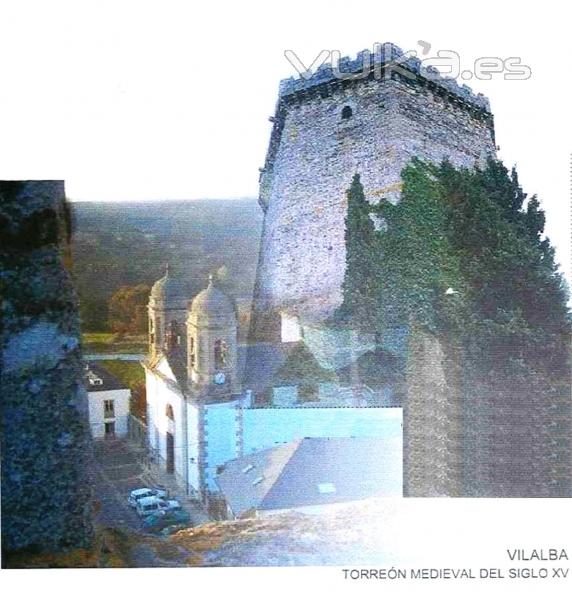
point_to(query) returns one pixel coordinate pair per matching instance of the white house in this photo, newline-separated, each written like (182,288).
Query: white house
(211,400)
(108,403)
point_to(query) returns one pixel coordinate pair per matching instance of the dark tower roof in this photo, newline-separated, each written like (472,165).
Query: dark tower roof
(212,301)
(170,289)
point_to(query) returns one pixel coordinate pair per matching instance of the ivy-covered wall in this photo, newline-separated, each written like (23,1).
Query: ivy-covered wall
(463,261)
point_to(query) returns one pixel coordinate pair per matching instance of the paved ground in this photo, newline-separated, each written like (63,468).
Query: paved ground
(118,470)
(121,467)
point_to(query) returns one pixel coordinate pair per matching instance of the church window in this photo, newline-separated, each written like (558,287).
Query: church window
(347,112)
(192,351)
(220,354)
(169,412)
(173,337)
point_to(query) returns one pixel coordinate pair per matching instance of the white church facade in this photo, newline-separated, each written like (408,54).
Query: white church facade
(211,400)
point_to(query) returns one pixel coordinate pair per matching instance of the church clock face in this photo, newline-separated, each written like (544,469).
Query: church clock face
(219,378)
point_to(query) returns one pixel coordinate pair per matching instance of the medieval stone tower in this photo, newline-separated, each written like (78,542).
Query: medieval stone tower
(326,128)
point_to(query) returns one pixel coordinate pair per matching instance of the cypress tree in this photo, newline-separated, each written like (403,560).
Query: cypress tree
(362,256)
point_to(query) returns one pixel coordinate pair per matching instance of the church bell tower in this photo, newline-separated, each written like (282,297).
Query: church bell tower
(167,313)
(212,328)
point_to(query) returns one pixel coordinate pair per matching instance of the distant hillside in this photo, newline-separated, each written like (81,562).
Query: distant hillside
(119,244)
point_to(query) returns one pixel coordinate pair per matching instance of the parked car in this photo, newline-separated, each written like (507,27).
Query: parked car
(163,519)
(150,504)
(141,493)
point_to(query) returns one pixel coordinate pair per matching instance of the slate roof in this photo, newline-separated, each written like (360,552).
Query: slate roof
(260,363)
(109,381)
(313,471)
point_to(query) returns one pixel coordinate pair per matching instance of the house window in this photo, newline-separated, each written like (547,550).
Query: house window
(220,354)
(108,409)
(169,412)
(346,112)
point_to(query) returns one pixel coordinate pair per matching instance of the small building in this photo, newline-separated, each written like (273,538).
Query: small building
(311,474)
(108,403)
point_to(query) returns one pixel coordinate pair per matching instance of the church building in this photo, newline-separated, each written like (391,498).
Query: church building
(211,400)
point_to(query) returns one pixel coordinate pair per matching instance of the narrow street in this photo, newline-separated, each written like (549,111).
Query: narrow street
(118,470)
(120,467)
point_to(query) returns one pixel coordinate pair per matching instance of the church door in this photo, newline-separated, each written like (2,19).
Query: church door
(170,453)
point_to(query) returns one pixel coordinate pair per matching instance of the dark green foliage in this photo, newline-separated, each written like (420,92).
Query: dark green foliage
(516,299)
(361,280)
(464,255)
(301,367)
(416,262)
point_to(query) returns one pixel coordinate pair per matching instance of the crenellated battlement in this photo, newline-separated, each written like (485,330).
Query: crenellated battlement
(371,114)
(387,61)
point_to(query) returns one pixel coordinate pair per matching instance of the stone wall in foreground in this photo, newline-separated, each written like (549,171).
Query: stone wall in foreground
(46,502)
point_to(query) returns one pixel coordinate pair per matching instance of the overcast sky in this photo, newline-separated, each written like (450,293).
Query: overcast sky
(170,100)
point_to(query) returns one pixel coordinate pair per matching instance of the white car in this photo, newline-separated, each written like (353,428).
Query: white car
(141,493)
(151,504)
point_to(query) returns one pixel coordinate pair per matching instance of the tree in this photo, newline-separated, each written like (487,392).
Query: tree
(138,404)
(128,309)
(361,275)
(464,261)
(417,264)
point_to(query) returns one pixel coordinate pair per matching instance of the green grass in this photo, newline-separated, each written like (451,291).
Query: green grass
(110,343)
(128,372)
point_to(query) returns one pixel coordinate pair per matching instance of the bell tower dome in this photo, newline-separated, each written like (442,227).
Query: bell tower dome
(167,313)
(212,328)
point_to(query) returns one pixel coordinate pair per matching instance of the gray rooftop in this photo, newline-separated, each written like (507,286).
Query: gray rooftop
(170,289)
(212,301)
(98,379)
(313,471)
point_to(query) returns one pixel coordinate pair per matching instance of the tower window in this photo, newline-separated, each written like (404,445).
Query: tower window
(220,354)
(173,337)
(347,112)
(192,351)
(169,412)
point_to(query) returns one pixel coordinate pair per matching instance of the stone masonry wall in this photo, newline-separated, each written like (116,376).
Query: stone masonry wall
(43,416)
(312,157)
